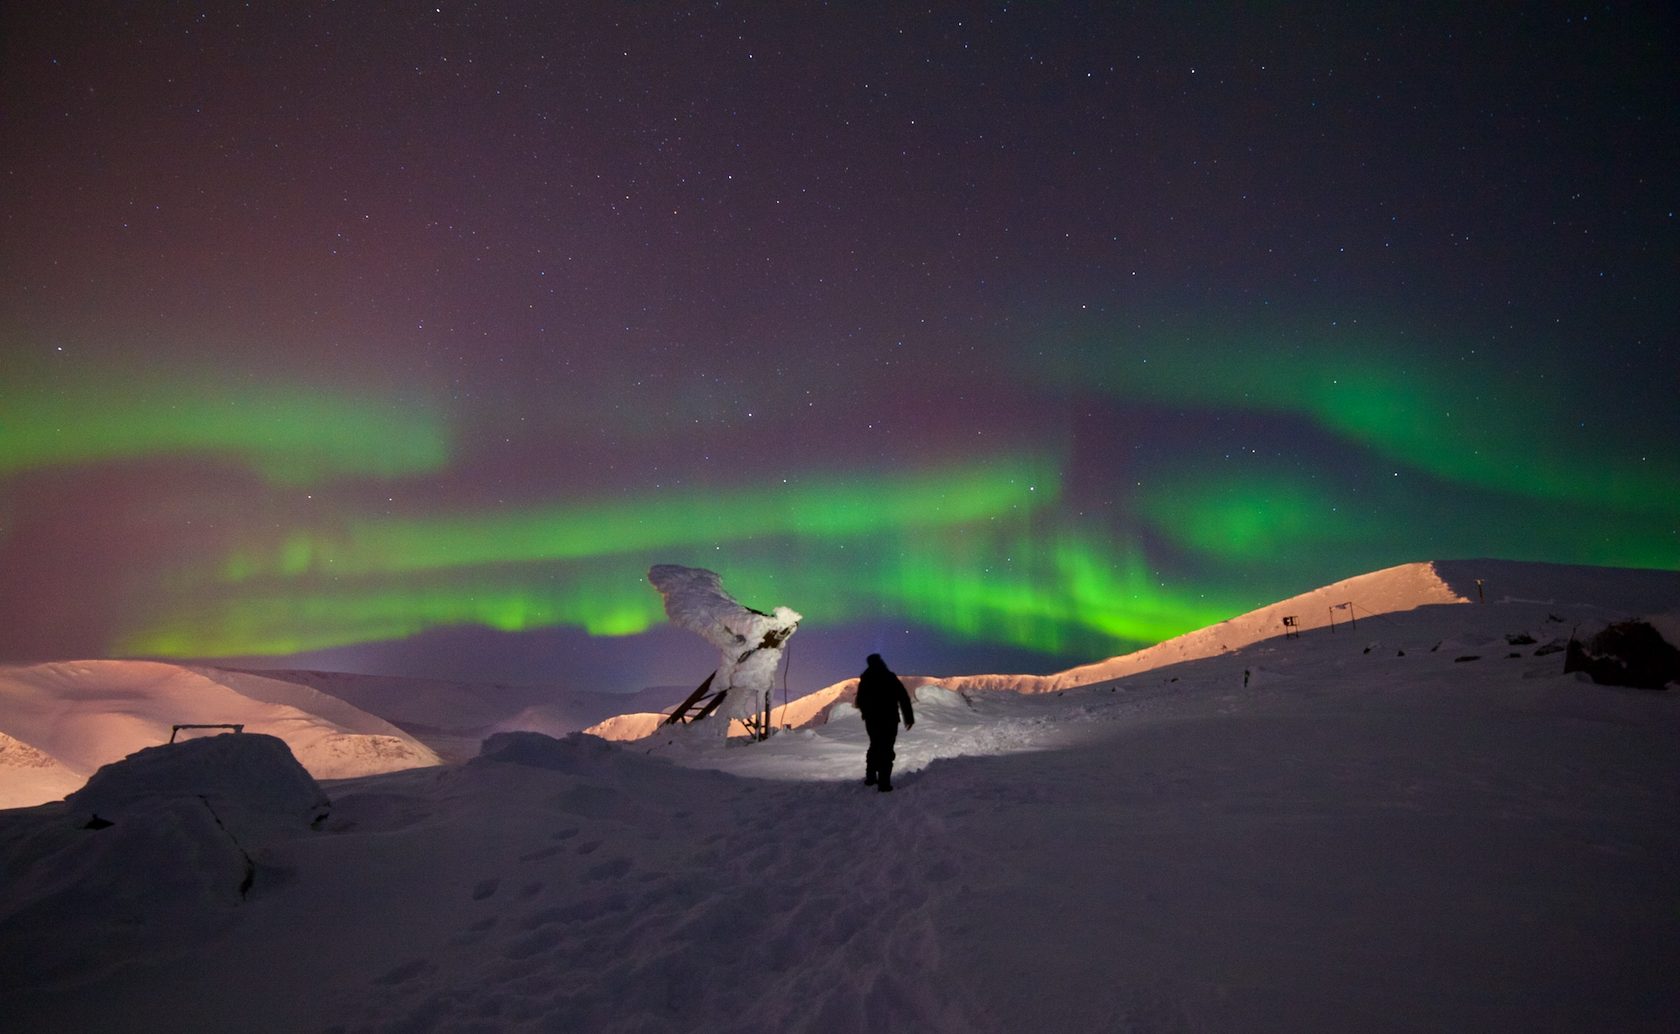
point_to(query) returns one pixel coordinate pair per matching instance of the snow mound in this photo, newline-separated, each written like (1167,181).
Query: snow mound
(934,698)
(1667,626)
(624,727)
(1294,835)
(83,714)
(577,752)
(1620,591)
(1627,653)
(247,777)
(157,849)
(548,719)
(32,775)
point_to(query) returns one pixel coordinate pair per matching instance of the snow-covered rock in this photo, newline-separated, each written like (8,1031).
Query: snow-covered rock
(575,752)
(1626,653)
(247,778)
(157,849)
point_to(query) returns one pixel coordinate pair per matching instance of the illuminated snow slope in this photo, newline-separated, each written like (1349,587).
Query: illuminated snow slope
(1596,592)
(60,722)
(1394,589)
(1601,591)
(1420,826)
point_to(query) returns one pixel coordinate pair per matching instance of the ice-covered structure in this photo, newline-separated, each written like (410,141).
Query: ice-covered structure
(749,641)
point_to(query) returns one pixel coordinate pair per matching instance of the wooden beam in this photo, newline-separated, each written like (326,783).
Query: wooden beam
(681,713)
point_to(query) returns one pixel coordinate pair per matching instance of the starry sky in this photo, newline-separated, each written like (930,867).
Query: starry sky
(405,337)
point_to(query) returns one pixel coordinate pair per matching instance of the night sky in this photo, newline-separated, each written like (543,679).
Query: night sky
(405,337)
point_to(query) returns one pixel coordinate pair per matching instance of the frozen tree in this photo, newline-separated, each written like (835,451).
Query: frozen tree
(749,641)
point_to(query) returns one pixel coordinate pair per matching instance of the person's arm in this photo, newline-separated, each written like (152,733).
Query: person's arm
(904,704)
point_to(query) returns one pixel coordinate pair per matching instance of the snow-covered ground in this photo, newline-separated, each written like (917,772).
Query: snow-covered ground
(1417,824)
(59,722)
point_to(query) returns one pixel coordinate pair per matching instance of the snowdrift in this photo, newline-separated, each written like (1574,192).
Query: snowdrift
(152,854)
(453,718)
(59,722)
(1598,594)
(62,721)
(1425,825)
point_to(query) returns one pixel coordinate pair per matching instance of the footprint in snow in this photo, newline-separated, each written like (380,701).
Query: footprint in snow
(559,914)
(608,870)
(535,944)
(485,888)
(574,912)
(940,871)
(405,972)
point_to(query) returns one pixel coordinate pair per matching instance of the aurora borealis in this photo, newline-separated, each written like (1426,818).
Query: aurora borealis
(407,337)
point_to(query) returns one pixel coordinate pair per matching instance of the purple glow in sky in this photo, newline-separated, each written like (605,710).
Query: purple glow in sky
(405,338)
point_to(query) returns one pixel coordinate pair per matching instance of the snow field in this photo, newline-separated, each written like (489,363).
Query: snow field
(1374,833)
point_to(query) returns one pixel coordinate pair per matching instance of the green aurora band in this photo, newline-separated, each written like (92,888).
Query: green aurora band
(1513,431)
(990,549)
(980,551)
(999,581)
(970,549)
(1260,518)
(289,435)
(1000,487)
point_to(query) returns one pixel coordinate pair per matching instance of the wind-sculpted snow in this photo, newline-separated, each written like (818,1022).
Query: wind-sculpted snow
(84,714)
(250,773)
(156,851)
(1420,824)
(749,642)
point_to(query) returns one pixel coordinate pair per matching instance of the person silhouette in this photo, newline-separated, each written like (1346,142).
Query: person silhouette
(881,696)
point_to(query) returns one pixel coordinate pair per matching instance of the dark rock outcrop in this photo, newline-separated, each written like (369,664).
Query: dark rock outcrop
(1628,653)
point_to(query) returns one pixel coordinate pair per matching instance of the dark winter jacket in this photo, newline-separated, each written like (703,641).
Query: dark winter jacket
(880,696)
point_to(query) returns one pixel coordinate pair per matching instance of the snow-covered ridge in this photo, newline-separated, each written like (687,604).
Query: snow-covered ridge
(1617,592)
(60,722)
(1393,589)
(1390,590)
(1427,821)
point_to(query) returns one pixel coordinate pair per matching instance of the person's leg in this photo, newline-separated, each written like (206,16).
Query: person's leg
(885,736)
(872,759)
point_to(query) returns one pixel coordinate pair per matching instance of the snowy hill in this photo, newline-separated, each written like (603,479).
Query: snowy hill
(452,718)
(1597,593)
(60,722)
(1423,826)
